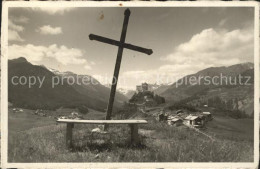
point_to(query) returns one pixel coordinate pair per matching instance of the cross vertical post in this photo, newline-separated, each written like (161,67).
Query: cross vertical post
(117,68)
(121,45)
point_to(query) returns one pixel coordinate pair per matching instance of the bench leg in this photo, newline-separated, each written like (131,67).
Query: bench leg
(106,127)
(134,134)
(69,135)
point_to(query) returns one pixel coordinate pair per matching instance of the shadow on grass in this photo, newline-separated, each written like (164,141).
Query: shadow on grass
(94,147)
(106,146)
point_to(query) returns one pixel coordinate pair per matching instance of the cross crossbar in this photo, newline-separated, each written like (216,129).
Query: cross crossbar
(119,44)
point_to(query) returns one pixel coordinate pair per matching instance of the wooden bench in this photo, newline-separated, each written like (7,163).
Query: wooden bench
(132,123)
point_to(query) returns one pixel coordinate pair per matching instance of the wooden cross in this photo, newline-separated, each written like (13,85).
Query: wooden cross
(121,45)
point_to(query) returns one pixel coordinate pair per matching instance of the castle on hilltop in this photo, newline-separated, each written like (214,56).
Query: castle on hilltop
(142,88)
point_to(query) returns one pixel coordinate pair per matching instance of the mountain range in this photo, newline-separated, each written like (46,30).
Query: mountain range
(228,96)
(93,95)
(236,96)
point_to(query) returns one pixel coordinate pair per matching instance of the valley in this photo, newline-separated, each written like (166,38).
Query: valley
(35,136)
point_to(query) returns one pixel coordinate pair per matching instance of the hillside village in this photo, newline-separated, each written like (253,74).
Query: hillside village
(150,106)
(180,117)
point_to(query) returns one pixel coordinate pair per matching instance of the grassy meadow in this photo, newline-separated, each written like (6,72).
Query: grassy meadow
(159,142)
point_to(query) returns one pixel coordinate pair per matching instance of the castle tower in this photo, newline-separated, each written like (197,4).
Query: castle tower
(139,88)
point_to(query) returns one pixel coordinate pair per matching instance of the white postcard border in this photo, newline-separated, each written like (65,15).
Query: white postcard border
(4,84)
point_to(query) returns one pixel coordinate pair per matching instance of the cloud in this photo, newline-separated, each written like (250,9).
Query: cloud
(165,74)
(66,55)
(20,19)
(47,29)
(14,36)
(36,54)
(133,73)
(222,22)
(103,79)
(13,30)
(209,48)
(92,63)
(30,52)
(13,26)
(217,48)
(98,77)
(53,10)
(88,67)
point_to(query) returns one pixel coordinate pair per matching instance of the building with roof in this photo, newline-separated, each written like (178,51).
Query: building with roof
(179,111)
(207,115)
(194,121)
(174,121)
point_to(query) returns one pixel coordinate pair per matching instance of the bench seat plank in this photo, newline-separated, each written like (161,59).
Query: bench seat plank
(102,121)
(132,123)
